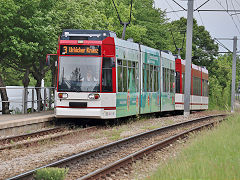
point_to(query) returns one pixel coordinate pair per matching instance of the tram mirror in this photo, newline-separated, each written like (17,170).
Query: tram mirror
(48,58)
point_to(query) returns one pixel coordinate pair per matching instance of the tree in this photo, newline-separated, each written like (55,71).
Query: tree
(204,48)
(220,80)
(7,14)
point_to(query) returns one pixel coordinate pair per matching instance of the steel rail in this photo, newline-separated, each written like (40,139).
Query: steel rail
(43,133)
(126,161)
(95,151)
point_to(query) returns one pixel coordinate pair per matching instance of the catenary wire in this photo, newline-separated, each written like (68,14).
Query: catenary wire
(172,9)
(179,5)
(202,5)
(230,16)
(221,44)
(235,12)
(200,14)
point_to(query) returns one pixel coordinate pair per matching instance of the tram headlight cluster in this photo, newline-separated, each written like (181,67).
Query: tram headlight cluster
(93,96)
(62,95)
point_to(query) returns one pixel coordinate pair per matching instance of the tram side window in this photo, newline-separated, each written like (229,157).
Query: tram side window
(171,80)
(107,74)
(206,88)
(199,86)
(148,78)
(144,78)
(125,74)
(131,76)
(120,76)
(177,84)
(164,80)
(136,76)
(151,89)
(194,86)
(203,87)
(156,79)
(167,78)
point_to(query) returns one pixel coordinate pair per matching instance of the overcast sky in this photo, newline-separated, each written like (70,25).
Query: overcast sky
(219,24)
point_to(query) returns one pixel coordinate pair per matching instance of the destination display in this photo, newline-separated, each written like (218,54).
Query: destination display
(80,50)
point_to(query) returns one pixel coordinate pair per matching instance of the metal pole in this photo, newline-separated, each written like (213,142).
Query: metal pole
(188,59)
(233,72)
(45,98)
(25,99)
(32,100)
(38,99)
(50,99)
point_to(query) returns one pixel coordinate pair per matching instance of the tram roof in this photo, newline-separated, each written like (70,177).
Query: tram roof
(79,34)
(167,55)
(126,44)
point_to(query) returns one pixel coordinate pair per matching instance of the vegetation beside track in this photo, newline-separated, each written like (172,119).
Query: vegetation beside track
(213,155)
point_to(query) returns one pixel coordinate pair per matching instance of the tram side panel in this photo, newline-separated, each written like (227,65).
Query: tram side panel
(196,98)
(204,88)
(179,96)
(150,80)
(167,82)
(127,95)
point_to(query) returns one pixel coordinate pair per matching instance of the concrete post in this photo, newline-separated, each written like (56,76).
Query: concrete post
(233,73)
(188,59)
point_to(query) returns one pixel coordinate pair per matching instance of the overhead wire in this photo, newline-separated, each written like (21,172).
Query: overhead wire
(235,12)
(117,12)
(202,5)
(221,44)
(200,14)
(119,15)
(230,16)
(179,5)
(172,9)
(227,5)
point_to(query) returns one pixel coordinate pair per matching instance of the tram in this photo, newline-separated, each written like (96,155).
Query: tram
(101,76)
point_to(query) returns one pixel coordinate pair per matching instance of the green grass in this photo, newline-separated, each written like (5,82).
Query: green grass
(51,173)
(114,134)
(214,154)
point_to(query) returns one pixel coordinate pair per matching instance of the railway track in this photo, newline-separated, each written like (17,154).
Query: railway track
(114,158)
(29,139)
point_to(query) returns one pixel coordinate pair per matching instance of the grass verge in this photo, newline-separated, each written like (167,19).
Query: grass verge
(213,155)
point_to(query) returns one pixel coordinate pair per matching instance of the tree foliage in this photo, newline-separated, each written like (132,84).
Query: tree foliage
(204,50)
(220,82)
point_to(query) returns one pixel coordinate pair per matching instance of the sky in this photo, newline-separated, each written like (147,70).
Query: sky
(219,24)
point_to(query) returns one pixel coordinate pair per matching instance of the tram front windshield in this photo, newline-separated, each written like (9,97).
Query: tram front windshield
(79,74)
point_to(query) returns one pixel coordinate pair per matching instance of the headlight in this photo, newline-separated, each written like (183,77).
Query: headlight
(93,96)
(62,95)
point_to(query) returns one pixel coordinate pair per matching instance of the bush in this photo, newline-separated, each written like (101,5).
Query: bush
(51,173)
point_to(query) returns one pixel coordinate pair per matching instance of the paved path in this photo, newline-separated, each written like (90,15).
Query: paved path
(8,117)
(9,121)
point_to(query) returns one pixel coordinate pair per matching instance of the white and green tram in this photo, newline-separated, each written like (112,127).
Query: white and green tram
(103,77)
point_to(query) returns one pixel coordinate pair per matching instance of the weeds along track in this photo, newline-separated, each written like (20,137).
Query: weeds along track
(37,137)
(95,163)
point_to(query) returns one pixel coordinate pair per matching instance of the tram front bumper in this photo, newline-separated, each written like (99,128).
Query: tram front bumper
(95,113)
